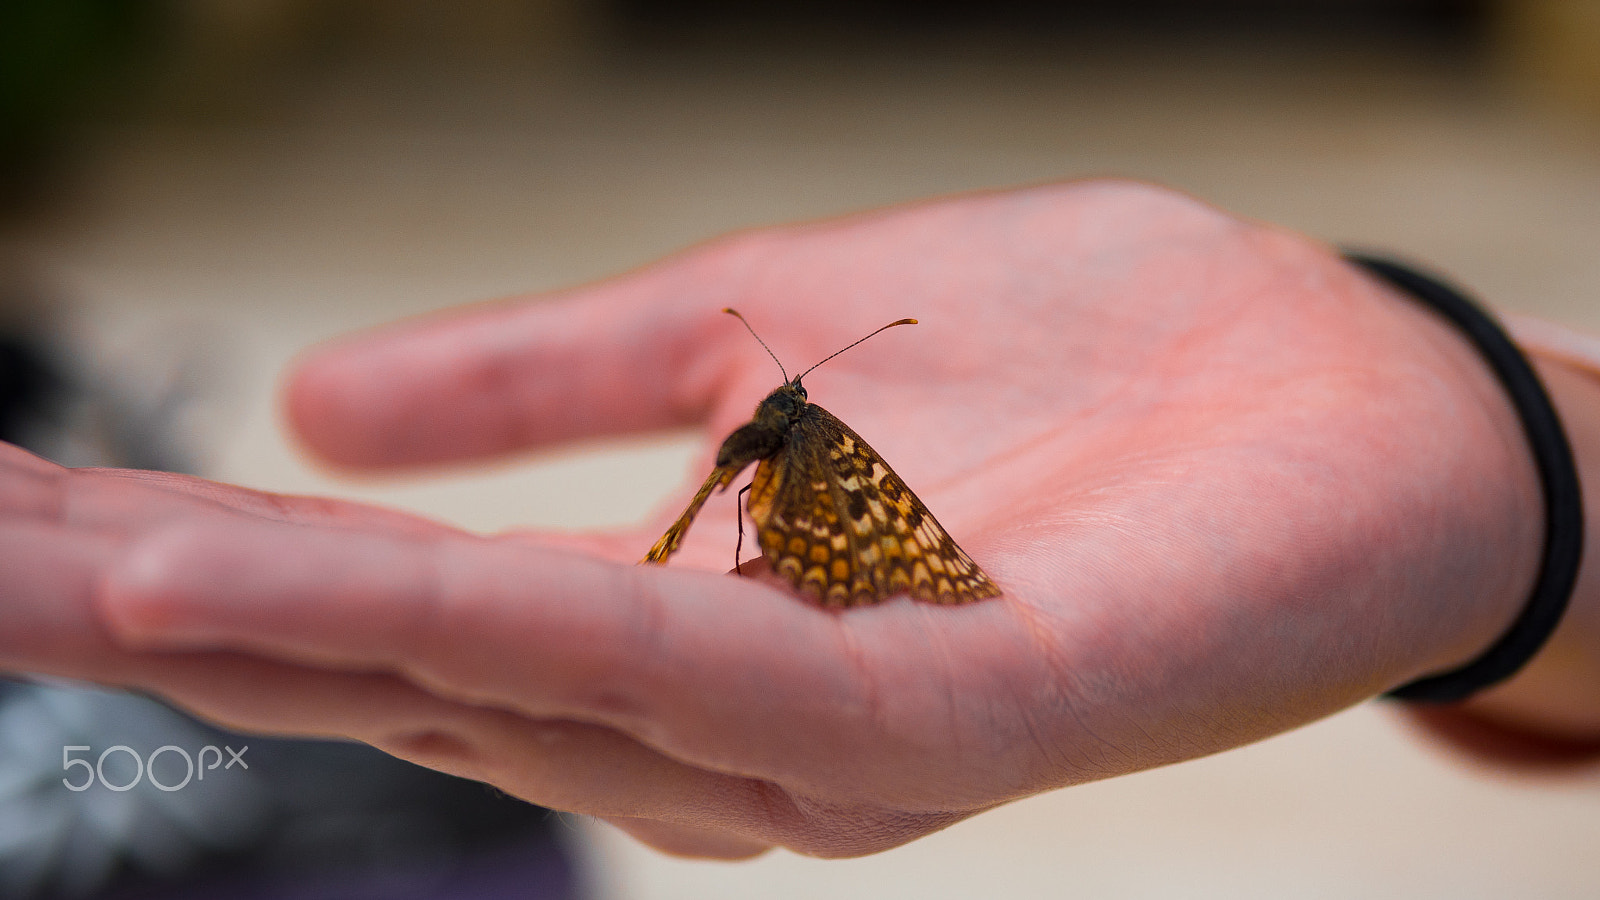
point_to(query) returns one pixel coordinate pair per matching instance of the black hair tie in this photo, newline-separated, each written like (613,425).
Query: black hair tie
(1558,476)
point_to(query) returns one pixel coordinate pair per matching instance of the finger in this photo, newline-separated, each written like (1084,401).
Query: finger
(562,765)
(620,545)
(715,671)
(686,840)
(559,764)
(630,354)
(132,501)
(473,618)
(568,766)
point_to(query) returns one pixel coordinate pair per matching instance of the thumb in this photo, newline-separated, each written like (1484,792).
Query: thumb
(634,353)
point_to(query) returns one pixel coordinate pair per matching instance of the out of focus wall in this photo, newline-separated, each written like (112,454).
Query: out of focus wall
(1553,48)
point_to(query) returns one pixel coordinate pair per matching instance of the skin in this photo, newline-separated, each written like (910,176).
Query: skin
(1228,484)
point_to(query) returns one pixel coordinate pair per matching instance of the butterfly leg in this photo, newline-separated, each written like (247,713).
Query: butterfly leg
(738,511)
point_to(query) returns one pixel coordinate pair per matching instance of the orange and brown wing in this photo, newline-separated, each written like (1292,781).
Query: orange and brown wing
(836,522)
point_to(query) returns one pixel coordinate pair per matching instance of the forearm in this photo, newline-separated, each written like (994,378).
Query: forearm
(1550,711)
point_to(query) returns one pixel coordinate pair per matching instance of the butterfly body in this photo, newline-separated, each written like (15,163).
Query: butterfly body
(831,517)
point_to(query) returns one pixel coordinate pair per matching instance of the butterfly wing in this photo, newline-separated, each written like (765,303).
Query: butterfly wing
(836,522)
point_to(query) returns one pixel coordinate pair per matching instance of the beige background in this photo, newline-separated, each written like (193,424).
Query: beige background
(354,196)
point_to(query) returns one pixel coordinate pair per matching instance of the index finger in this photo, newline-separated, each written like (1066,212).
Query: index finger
(623,355)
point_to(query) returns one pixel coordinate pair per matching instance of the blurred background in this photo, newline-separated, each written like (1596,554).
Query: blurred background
(193,191)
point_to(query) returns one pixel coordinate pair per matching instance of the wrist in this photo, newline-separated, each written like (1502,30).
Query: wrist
(1540,440)
(1558,692)
(1548,714)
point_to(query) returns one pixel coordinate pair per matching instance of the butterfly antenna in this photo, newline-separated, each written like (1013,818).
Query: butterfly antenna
(735,313)
(836,353)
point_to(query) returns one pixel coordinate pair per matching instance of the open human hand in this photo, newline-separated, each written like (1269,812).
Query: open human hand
(1226,483)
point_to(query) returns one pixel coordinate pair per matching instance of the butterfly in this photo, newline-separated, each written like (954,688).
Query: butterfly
(831,517)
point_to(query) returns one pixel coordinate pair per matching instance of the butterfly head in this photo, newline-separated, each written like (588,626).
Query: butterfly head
(779,411)
(767,431)
(783,405)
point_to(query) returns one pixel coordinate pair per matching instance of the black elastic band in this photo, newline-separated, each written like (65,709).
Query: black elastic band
(1563,503)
